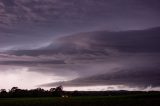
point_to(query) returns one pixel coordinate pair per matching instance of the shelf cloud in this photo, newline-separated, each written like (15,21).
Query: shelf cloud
(85,42)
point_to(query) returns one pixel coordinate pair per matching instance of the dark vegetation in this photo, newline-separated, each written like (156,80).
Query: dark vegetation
(39,92)
(15,92)
(131,100)
(58,97)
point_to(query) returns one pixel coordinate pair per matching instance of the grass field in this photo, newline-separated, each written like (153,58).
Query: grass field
(84,101)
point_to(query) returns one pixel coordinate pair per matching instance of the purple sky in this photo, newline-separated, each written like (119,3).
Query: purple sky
(81,44)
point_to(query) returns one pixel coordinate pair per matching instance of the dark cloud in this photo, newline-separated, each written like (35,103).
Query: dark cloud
(101,43)
(135,71)
(78,10)
(39,21)
(25,63)
(69,38)
(96,58)
(8,2)
(132,78)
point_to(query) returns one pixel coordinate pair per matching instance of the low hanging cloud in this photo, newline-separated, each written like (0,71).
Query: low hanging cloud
(128,58)
(129,77)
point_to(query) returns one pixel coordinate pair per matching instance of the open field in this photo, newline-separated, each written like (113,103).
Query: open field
(130,100)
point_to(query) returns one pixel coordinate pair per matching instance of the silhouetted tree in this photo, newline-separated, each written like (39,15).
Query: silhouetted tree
(3,93)
(14,89)
(58,91)
(39,92)
(3,90)
(52,89)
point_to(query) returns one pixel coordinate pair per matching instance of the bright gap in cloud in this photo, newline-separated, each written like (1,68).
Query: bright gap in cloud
(111,88)
(101,88)
(25,79)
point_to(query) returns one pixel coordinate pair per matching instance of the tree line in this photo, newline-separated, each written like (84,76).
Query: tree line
(59,92)
(38,92)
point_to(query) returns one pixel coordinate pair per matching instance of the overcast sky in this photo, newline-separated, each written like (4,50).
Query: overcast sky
(81,44)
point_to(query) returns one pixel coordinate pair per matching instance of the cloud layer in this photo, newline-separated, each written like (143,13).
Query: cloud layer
(33,23)
(87,42)
(129,58)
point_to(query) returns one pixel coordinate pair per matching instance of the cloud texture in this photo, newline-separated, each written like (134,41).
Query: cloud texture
(128,58)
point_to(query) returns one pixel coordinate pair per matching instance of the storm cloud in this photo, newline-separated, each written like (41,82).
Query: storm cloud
(128,58)
(34,23)
(86,42)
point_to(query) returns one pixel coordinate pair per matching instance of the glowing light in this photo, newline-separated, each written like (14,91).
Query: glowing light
(23,78)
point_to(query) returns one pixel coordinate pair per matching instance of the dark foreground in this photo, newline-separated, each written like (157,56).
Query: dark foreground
(127,100)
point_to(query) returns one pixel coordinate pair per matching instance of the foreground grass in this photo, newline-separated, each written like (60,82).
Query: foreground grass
(136,100)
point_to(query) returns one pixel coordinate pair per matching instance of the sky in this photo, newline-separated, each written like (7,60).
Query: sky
(80,44)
